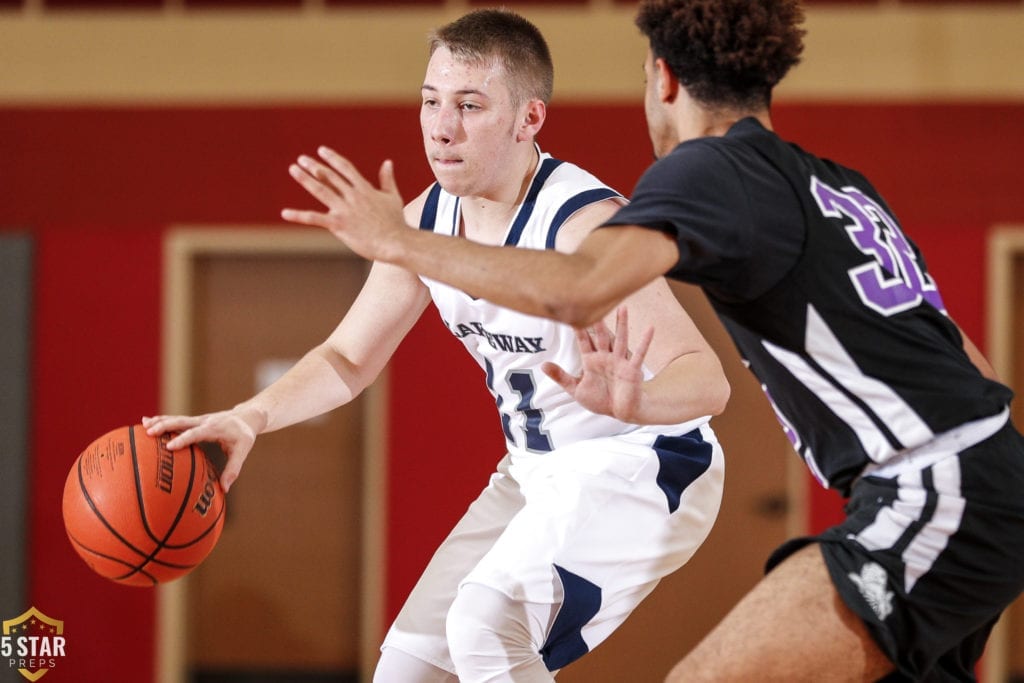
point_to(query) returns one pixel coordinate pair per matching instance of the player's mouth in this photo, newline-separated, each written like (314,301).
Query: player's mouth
(447,162)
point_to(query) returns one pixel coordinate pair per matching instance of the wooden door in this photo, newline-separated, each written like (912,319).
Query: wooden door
(1004,656)
(283,595)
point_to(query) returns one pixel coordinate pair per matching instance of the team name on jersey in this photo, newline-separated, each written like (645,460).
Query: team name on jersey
(502,342)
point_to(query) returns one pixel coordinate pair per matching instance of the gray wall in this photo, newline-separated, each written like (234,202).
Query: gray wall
(15,344)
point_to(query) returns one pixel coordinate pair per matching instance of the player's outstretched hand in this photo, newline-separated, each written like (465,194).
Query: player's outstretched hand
(234,430)
(611,378)
(365,218)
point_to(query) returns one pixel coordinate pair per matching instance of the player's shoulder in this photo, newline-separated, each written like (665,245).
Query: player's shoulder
(572,178)
(413,210)
(584,221)
(579,200)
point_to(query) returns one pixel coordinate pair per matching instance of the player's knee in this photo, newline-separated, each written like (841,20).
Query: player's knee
(477,622)
(490,636)
(395,666)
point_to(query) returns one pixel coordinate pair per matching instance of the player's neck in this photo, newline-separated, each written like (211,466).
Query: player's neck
(485,218)
(696,120)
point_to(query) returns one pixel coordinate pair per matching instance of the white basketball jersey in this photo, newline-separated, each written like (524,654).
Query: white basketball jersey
(537,415)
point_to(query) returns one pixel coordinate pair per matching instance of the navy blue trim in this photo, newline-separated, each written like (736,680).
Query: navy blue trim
(429,215)
(574,204)
(682,459)
(547,167)
(455,216)
(580,603)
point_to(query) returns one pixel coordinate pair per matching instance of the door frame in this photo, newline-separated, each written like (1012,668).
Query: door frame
(1005,246)
(182,246)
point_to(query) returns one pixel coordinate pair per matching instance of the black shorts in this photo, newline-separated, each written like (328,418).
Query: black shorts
(930,558)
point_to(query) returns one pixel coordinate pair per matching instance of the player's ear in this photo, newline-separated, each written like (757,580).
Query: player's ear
(666,81)
(533,114)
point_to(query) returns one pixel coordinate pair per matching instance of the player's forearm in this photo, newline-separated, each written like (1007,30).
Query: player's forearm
(315,385)
(544,283)
(692,386)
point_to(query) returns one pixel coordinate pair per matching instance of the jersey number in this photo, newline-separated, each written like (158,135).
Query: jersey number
(893,280)
(521,383)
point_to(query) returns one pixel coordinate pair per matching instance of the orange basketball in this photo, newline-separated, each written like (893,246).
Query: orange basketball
(138,513)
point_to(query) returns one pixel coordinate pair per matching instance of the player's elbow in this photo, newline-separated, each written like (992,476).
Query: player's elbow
(718,395)
(575,311)
(717,389)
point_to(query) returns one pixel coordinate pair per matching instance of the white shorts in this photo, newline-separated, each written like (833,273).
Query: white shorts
(591,527)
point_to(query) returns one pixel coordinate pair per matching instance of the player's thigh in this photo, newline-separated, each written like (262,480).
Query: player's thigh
(791,626)
(419,628)
(598,510)
(597,533)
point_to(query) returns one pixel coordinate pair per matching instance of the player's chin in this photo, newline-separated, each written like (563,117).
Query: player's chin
(454,183)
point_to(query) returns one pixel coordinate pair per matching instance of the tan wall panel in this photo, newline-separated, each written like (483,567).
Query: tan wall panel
(337,56)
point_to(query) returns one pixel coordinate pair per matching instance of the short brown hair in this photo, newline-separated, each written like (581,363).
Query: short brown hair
(502,35)
(725,52)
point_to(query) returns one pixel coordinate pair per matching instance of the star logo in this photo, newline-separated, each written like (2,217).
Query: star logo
(33,643)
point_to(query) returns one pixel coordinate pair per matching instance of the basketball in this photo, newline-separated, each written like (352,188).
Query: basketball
(141,514)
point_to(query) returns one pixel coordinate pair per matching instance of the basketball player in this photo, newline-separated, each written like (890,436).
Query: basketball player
(834,310)
(588,510)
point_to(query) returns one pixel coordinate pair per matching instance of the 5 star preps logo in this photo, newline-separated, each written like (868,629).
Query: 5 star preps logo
(32,643)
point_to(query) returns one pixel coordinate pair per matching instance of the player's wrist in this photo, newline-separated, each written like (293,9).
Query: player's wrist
(400,248)
(253,416)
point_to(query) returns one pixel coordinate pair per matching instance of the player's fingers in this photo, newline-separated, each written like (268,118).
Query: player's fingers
(602,336)
(155,426)
(621,343)
(326,195)
(233,467)
(387,177)
(315,218)
(325,174)
(231,471)
(345,169)
(560,376)
(584,341)
(188,437)
(640,351)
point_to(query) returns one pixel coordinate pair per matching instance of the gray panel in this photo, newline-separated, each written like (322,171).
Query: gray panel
(15,329)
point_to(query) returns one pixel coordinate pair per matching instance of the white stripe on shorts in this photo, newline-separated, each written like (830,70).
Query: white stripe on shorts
(928,543)
(926,547)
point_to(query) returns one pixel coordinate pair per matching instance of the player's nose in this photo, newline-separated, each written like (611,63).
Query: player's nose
(444,125)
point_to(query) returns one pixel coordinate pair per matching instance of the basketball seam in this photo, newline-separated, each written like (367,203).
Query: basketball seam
(206,532)
(160,544)
(99,515)
(111,558)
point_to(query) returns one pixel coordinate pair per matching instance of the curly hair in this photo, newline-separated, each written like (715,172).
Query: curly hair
(726,53)
(500,34)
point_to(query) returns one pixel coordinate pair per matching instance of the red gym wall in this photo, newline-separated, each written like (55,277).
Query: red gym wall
(96,187)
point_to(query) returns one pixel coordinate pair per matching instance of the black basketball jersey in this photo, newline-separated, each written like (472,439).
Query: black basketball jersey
(827,300)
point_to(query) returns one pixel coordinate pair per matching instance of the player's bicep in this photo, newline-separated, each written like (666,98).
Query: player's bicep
(620,261)
(585,221)
(675,334)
